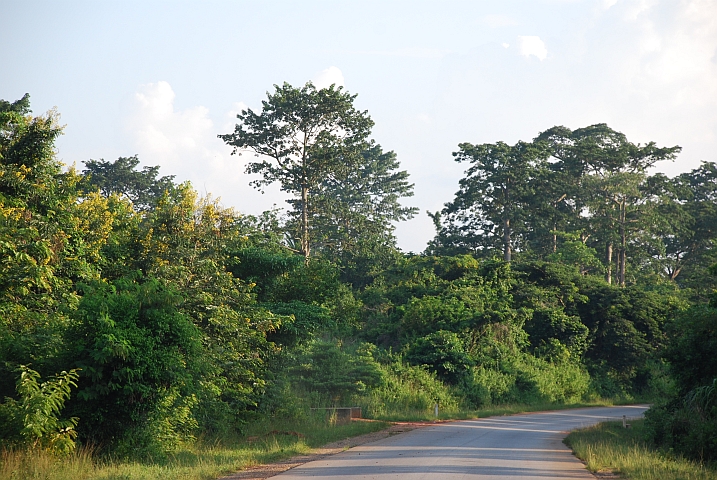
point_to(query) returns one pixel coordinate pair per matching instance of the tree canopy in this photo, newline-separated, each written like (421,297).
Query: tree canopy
(315,144)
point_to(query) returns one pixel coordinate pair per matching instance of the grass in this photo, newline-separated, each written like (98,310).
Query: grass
(204,461)
(609,447)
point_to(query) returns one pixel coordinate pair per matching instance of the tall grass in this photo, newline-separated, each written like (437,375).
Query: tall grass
(609,447)
(208,459)
(408,392)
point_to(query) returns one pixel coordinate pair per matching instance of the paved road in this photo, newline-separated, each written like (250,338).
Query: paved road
(518,447)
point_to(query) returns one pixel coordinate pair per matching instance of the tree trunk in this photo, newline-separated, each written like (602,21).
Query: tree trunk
(608,262)
(621,260)
(675,272)
(623,242)
(555,223)
(305,247)
(506,240)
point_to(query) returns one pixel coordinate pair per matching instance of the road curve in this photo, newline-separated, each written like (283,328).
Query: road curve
(521,447)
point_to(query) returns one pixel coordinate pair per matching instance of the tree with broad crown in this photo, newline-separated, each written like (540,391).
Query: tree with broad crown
(303,136)
(487,210)
(352,214)
(609,181)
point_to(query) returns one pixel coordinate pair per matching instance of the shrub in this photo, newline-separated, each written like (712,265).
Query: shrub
(443,353)
(526,379)
(139,357)
(34,421)
(335,374)
(687,425)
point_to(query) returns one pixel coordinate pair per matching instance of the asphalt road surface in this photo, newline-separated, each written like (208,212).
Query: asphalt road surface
(522,447)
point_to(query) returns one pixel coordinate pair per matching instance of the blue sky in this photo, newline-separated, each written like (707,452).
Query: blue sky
(162,78)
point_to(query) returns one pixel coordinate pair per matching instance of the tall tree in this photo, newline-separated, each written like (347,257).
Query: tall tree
(352,213)
(605,178)
(49,239)
(488,209)
(689,212)
(303,136)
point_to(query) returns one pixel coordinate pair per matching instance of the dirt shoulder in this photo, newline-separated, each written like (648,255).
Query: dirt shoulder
(259,472)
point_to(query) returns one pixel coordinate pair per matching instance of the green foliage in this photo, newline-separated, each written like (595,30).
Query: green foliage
(136,350)
(170,426)
(191,320)
(261,265)
(49,239)
(610,447)
(687,423)
(593,195)
(33,420)
(307,319)
(687,426)
(142,188)
(335,374)
(488,209)
(305,136)
(527,380)
(406,389)
(626,328)
(573,251)
(443,353)
(691,351)
(353,212)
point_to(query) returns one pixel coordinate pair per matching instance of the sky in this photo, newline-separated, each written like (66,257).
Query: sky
(161,79)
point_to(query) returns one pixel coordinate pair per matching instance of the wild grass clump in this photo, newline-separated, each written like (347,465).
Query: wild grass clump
(610,447)
(687,425)
(39,464)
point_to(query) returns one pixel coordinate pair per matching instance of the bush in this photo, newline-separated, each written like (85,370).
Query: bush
(687,425)
(34,422)
(335,374)
(139,357)
(443,353)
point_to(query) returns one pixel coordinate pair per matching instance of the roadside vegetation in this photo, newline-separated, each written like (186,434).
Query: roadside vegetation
(608,447)
(204,460)
(144,327)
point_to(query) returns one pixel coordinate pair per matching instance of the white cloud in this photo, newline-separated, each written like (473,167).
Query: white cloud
(164,134)
(430,53)
(184,143)
(636,8)
(676,76)
(532,45)
(424,118)
(231,116)
(328,77)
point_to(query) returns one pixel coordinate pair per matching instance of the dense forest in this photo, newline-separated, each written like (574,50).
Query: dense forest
(136,315)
